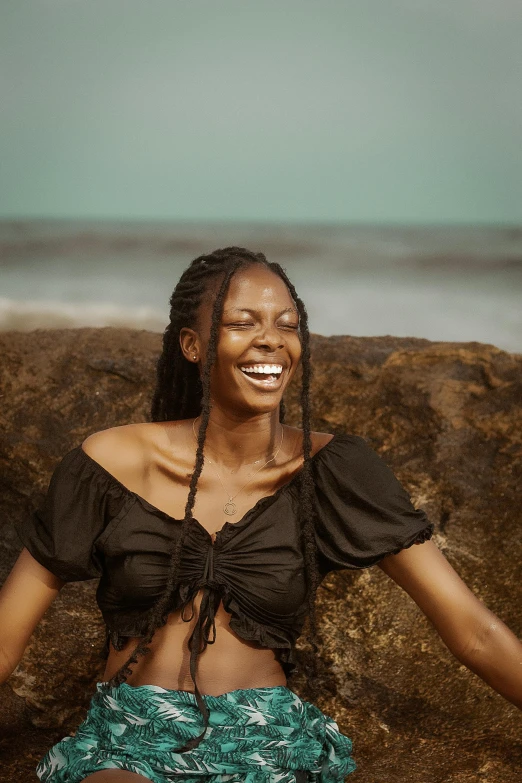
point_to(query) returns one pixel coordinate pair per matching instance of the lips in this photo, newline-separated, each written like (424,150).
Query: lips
(271,381)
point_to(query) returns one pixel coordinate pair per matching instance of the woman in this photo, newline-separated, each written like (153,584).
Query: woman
(211,528)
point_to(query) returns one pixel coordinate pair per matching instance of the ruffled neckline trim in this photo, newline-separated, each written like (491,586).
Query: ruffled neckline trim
(321,454)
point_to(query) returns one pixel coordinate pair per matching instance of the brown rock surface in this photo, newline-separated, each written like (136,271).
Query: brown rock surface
(447,419)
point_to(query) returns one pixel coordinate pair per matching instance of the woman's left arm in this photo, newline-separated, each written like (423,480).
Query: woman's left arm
(475,636)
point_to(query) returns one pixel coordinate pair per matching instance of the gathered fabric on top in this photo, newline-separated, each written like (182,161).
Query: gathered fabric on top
(92,526)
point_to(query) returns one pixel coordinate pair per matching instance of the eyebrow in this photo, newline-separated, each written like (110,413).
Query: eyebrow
(257,312)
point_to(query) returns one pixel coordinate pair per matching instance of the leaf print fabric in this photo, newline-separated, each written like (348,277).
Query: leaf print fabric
(255,735)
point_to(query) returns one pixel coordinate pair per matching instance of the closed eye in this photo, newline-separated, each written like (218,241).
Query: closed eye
(281,326)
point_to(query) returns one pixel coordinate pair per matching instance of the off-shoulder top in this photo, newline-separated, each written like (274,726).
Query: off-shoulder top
(92,526)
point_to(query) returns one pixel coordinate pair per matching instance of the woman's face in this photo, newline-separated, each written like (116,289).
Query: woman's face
(259,346)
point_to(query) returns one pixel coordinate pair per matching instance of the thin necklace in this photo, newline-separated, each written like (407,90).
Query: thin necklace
(230,507)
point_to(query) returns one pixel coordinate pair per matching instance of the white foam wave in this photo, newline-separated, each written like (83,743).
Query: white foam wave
(26,315)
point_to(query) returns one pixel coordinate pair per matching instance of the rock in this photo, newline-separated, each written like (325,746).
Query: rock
(447,419)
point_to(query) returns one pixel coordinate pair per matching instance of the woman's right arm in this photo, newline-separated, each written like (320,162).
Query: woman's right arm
(27,593)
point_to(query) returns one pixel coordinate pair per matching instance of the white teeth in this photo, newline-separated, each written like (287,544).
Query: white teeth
(266,369)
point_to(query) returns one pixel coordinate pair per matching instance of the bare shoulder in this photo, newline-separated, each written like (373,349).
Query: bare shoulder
(125,451)
(120,450)
(319,439)
(111,438)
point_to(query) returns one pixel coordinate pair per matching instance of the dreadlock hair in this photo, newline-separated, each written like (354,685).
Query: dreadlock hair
(181,394)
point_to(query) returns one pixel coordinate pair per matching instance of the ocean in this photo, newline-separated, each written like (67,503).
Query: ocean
(454,283)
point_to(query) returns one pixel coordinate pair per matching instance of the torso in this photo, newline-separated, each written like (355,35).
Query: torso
(155,460)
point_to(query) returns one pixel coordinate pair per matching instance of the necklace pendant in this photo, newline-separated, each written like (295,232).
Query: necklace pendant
(230,508)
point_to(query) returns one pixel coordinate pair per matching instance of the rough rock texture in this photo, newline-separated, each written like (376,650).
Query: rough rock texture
(446,417)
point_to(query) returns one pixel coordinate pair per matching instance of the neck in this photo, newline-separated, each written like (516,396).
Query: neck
(234,443)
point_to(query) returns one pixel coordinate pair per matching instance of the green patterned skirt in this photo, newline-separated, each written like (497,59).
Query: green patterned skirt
(255,735)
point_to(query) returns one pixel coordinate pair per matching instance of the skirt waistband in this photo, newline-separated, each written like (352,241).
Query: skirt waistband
(254,734)
(188,697)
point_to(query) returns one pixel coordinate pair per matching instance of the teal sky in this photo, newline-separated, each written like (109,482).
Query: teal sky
(395,111)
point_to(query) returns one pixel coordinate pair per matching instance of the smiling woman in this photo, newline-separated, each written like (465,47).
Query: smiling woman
(210,528)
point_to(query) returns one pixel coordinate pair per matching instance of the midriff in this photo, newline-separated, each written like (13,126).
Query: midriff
(230,663)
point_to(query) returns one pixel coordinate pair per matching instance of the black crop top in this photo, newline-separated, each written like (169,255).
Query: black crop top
(92,526)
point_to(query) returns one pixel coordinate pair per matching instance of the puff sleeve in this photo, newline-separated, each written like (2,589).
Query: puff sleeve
(362,511)
(66,531)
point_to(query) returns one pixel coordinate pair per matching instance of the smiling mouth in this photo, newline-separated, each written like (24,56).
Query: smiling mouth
(264,376)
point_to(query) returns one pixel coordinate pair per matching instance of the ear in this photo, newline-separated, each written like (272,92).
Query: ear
(190,345)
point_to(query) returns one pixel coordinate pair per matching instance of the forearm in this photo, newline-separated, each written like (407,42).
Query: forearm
(471,631)
(495,654)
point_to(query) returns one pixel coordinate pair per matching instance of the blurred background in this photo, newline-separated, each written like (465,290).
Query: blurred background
(373,148)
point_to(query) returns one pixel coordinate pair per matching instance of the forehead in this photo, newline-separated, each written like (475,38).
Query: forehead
(257,287)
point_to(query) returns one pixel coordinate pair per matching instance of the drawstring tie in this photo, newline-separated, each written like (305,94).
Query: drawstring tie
(203,634)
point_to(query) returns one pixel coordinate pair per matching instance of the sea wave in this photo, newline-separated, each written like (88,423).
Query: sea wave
(26,315)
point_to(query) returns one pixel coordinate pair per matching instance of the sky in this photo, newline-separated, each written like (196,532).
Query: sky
(378,111)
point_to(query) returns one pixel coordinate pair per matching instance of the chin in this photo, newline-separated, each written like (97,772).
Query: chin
(253,407)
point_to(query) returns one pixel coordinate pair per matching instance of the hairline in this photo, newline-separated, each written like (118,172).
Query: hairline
(214,284)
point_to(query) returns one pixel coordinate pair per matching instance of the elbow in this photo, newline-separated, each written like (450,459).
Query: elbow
(474,646)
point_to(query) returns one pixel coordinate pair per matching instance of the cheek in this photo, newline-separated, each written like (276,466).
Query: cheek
(232,345)
(296,353)
(296,349)
(230,348)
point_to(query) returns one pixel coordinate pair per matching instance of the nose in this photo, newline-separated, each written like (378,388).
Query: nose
(269,337)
